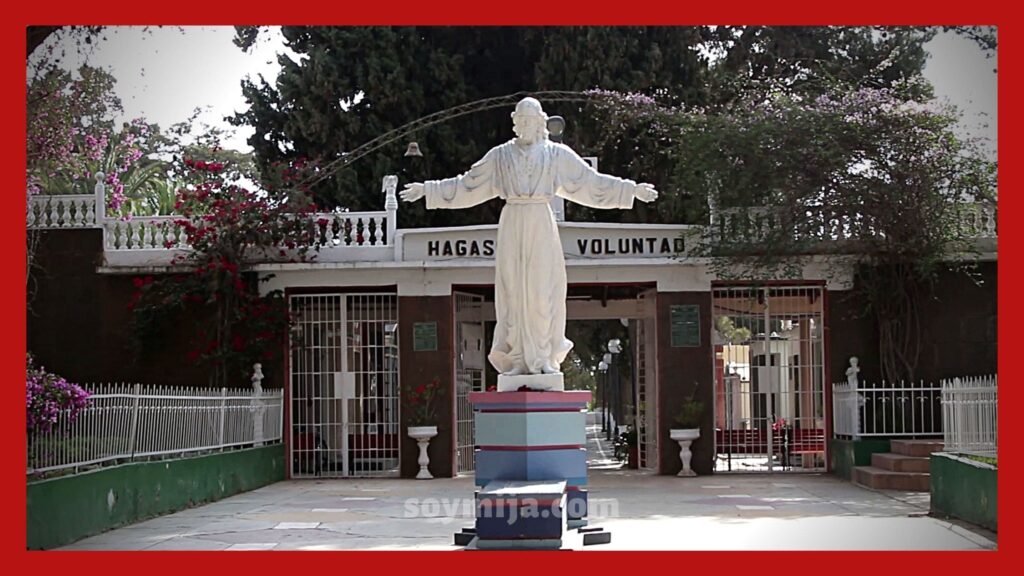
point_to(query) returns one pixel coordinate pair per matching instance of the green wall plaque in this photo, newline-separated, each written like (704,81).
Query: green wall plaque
(424,336)
(685,325)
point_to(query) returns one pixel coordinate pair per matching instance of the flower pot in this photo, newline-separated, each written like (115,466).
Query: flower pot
(422,436)
(684,436)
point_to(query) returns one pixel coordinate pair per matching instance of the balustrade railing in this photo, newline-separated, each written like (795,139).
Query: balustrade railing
(62,211)
(328,231)
(825,223)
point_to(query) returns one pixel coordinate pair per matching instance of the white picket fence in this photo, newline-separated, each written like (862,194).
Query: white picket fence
(130,421)
(969,407)
(961,411)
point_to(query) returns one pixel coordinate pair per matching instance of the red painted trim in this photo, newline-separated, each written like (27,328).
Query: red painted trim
(827,368)
(286,415)
(524,410)
(657,384)
(454,429)
(390,288)
(532,448)
(765,283)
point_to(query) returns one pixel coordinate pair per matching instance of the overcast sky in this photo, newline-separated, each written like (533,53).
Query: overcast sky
(163,74)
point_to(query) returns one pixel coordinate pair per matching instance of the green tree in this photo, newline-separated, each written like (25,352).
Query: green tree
(728,331)
(354,84)
(577,375)
(882,181)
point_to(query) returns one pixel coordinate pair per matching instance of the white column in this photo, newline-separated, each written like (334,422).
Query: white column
(391,206)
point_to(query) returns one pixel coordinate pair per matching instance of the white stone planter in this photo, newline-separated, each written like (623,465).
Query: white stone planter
(422,436)
(684,436)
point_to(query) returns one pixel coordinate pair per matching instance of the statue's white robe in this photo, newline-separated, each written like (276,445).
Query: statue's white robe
(530,279)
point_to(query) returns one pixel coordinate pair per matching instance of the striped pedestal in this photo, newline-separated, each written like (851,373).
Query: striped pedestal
(531,467)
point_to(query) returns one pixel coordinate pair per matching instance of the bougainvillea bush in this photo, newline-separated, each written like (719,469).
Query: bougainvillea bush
(47,396)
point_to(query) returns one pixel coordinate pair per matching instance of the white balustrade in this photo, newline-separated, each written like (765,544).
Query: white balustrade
(62,211)
(148,233)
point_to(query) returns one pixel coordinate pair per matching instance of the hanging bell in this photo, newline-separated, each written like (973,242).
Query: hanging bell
(413,150)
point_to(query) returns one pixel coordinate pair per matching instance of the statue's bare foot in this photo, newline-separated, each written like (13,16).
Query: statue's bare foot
(516,371)
(550,368)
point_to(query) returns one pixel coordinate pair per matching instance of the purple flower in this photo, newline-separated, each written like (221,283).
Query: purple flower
(48,396)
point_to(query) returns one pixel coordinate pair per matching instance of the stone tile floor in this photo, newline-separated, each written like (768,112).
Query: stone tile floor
(642,511)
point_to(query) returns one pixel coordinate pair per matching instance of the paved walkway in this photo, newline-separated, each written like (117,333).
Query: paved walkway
(642,511)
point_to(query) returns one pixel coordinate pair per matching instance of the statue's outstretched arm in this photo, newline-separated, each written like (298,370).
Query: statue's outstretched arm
(577,181)
(478,185)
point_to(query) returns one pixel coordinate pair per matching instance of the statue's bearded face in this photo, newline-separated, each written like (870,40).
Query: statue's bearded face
(528,127)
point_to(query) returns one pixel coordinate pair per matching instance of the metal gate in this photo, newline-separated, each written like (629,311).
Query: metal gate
(769,378)
(644,337)
(469,373)
(344,407)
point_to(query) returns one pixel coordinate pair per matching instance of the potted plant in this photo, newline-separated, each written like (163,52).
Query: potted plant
(419,404)
(687,428)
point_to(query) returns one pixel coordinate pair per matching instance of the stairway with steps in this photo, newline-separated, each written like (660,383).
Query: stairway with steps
(906,468)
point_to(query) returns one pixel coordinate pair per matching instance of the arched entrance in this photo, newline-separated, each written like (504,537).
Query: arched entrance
(624,396)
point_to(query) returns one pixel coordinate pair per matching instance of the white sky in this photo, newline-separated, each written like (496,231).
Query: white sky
(163,74)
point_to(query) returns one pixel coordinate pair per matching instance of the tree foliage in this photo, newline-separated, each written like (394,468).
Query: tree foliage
(352,84)
(881,181)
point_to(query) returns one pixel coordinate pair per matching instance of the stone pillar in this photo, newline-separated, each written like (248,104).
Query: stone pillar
(422,366)
(678,368)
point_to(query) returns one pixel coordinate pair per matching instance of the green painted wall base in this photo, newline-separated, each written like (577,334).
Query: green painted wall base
(848,454)
(964,489)
(65,509)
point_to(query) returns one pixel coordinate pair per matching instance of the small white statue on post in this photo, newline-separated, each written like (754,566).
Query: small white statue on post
(853,383)
(257,404)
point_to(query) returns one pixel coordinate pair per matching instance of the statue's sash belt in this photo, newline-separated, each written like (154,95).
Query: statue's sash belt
(527,200)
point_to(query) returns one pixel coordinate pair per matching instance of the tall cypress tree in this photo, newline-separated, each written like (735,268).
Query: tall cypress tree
(353,84)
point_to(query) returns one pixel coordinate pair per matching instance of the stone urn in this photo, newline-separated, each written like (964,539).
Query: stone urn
(684,436)
(422,436)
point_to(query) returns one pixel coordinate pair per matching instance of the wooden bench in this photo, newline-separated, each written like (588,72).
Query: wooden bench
(803,442)
(807,440)
(741,441)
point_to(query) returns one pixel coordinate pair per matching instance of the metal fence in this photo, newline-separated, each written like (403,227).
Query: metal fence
(961,411)
(887,410)
(969,415)
(130,421)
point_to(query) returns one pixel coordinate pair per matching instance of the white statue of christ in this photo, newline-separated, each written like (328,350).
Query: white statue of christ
(530,279)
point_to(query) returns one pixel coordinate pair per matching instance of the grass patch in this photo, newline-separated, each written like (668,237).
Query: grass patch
(990,460)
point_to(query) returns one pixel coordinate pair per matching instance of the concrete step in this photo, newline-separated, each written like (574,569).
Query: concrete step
(900,463)
(880,479)
(920,448)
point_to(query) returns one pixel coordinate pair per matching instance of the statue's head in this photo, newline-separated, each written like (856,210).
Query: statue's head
(529,121)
